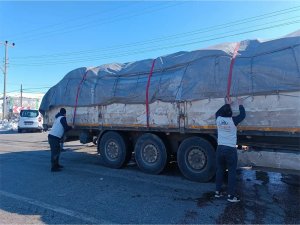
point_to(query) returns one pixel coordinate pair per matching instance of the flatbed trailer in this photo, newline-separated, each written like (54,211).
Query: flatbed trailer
(185,131)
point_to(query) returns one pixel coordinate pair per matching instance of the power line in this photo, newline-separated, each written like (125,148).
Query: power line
(166,47)
(28,89)
(32,92)
(157,49)
(36,88)
(13,91)
(110,53)
(16,84)
(70,20)
(174,36)
(89,24)
(138,51)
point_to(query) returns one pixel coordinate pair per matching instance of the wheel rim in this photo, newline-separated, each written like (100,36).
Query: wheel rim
(196,158)
(150,154)
(112,150)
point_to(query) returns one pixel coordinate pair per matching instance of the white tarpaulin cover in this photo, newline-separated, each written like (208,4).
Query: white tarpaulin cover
(261,67)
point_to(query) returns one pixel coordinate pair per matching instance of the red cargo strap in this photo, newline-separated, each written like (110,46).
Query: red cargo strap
(231,69)
(77,95)
(147,92)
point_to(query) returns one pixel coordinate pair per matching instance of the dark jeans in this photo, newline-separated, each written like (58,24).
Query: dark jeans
(226,159)
(54,143)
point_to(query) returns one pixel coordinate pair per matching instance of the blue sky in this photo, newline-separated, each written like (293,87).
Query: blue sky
(53,38)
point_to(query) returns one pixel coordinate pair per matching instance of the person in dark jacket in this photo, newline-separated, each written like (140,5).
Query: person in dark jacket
(62,139)
(56,133)
(226,150)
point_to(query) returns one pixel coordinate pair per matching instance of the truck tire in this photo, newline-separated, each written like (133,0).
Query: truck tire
(150,154)
(196,159)
(114,150)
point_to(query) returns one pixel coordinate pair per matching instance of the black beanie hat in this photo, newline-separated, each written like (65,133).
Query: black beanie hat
(226,111)
(63,111)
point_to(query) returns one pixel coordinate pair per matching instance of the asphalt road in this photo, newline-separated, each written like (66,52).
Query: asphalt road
(85,192)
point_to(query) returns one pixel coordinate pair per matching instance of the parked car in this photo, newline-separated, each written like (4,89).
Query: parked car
(30,120)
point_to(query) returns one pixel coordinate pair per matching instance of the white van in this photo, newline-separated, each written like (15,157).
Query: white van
(30,120)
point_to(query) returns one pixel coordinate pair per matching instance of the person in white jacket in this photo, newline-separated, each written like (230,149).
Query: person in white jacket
(226,151)
(60,126)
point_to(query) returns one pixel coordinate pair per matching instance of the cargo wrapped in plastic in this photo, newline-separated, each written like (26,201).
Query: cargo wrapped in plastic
(260,68)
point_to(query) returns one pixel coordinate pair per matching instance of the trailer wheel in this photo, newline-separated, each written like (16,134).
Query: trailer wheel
(150,153)
(196,159)
(114,150)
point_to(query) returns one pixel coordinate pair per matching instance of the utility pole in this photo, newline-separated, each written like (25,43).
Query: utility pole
(6,44)
(21,96)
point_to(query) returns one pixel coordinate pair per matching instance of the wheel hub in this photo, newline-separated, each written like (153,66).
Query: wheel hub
(150,153)
(196,158)
(112,150)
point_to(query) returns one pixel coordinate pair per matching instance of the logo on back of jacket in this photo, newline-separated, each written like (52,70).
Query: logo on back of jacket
(223,125)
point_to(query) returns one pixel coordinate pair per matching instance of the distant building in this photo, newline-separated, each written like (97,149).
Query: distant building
(14,103)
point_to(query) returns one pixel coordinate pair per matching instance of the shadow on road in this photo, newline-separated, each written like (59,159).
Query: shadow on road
(27,173)
(8,132)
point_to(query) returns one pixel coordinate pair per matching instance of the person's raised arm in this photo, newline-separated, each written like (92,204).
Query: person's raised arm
(239,118)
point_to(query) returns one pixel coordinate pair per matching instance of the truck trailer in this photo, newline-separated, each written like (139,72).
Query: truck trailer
(164,108)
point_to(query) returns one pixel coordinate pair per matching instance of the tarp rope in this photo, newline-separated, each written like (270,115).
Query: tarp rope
(147,91)
(77,95)
(231,69)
